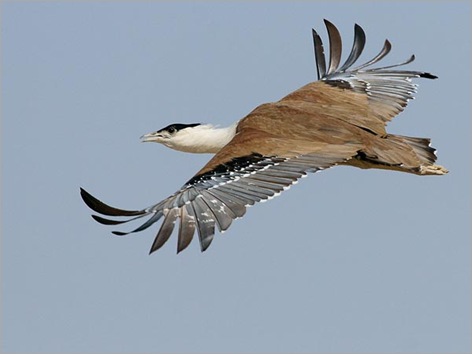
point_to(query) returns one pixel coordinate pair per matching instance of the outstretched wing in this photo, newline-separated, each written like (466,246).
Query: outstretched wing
(221,192)
(364,96)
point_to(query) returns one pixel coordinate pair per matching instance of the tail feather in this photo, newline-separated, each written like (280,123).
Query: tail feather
(400,153)
(425,153)
(421,147)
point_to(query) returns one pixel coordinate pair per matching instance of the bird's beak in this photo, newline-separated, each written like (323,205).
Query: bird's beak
(150,137)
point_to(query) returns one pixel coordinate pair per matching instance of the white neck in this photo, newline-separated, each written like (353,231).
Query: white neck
(202,138)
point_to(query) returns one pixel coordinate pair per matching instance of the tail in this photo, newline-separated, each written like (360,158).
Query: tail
(400,153)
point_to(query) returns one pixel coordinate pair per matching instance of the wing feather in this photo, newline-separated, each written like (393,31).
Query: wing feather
(205,222)
(236,205)
(335,47)
(357,47)
(186,228)
(223,215)
(383,91)
(319,55)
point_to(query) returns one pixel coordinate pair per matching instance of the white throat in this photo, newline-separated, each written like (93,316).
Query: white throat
(202,138)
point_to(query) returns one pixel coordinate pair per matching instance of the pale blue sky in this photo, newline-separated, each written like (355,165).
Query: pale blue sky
(347,261)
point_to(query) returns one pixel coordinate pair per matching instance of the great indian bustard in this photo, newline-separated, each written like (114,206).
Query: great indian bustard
(338,120)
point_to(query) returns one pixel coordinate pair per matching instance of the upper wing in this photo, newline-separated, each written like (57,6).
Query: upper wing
(364,96)
(220,192)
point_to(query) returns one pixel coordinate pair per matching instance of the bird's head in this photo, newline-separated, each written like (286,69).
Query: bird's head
(196,137)
(172,136)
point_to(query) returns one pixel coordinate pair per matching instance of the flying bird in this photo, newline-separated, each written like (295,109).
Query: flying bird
(338,120)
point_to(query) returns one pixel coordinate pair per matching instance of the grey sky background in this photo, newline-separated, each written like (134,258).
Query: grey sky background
(347,261)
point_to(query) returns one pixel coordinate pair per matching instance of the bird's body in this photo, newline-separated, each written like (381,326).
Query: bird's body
(338,120)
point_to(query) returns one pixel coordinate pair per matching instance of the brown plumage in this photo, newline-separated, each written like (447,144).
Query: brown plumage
(338,120)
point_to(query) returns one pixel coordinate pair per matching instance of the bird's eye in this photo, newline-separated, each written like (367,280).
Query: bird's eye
(172,130)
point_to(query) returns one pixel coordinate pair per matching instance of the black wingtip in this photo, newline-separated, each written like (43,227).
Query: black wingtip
(327,22)
(428,76)
(119,233)
(105,221)
(155,246)
(320,60)
(205,242)
(153,249)
(104,209)
(357,48)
